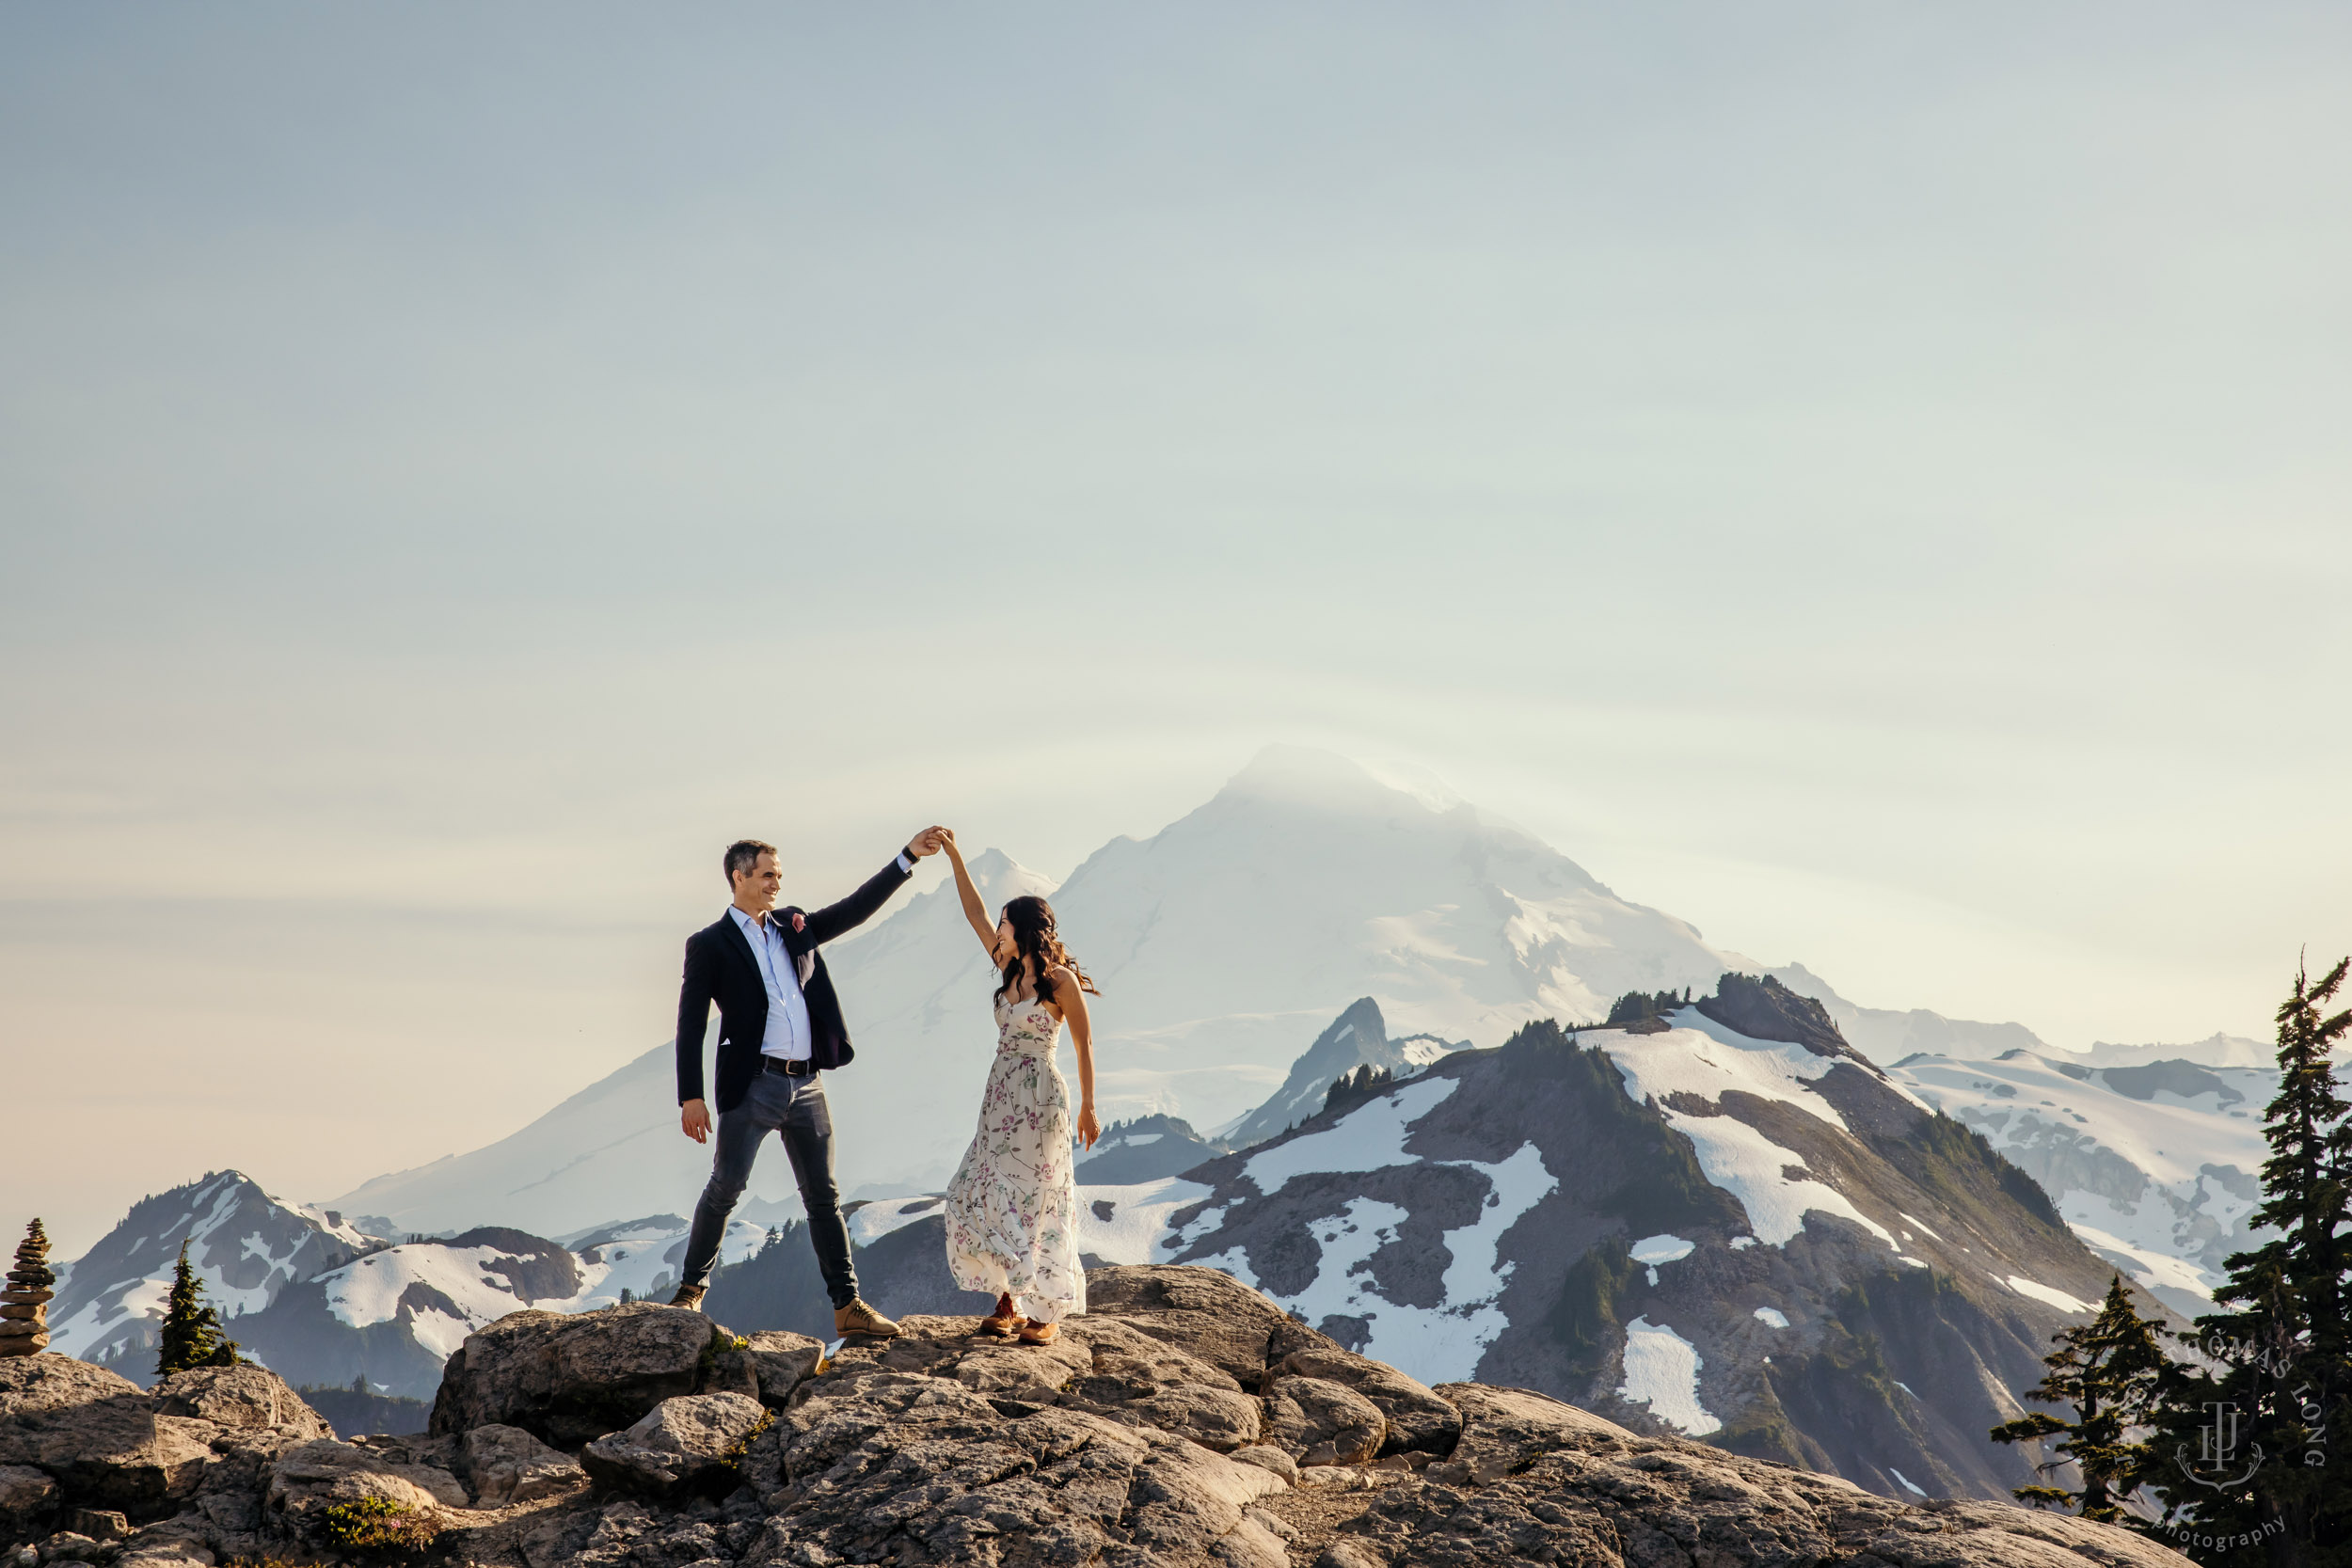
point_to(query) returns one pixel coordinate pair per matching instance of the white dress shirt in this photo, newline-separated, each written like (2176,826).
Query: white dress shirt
(789,1033)
(788,1009)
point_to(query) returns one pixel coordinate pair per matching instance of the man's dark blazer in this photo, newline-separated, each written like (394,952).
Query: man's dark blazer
(719,968)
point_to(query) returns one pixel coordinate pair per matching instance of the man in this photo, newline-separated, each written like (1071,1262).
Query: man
(779,1030)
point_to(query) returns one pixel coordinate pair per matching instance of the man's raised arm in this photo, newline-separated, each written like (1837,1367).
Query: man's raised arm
(849,913)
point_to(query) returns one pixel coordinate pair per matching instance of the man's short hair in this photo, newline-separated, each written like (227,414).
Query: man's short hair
(742,855)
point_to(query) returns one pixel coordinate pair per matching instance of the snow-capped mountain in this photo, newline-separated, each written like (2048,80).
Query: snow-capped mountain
(319,1301)
(1887,1035)
(1357,1037)
(1734,1226)
(1224,944)
(614,1149)
(2215,1050)
(2155,1165)
(248,1247)
(1146,1150)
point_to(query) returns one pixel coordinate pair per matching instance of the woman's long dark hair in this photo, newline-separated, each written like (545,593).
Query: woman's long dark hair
(1034,938)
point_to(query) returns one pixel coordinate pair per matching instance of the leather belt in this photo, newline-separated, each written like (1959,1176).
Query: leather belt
(801,1067)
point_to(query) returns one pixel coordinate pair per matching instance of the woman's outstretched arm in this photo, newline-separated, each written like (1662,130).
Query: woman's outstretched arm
(974,910)
(1072,999)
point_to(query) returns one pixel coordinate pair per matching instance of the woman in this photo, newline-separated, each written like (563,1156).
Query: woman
(1012,1210)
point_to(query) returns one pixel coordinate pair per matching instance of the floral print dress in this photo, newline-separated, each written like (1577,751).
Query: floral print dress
(1012,1210)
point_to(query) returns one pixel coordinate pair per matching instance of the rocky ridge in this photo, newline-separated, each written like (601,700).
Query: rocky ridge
(1186,1420)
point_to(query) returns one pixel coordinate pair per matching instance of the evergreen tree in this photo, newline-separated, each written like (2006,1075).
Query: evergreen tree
(2107,1372)
(2257,1441)
(191,1335)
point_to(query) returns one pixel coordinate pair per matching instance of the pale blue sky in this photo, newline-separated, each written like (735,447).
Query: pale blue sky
(1871,481)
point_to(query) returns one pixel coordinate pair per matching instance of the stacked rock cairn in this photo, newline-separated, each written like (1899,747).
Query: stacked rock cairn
(25,1303)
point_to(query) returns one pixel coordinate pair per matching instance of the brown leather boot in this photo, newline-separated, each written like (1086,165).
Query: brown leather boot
(999,1323)
(858,1318)
(689,1295)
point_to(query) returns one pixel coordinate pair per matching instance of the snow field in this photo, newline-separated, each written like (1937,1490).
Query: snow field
(1368,1138)
(1703,1058)
(871,1222)
(2171,1237)
(1661,1371)
(1137,1229)
(1654,1250)
(1437,1344)
(2046,1295)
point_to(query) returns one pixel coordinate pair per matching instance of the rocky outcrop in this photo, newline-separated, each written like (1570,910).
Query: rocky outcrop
(690,1444)
(1536,1480)
(78,1438)
(568,1379)
(313,1485)
(1185,1421)
(506,1465)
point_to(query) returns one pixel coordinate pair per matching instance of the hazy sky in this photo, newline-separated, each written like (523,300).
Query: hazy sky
(1869,479)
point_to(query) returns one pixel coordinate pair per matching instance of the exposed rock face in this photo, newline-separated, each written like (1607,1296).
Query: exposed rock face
(240,1398)
(693,1442)
(779,1360)
(26,1496)
(1537,1481)
(104,1443)
(507,1465)
(567,1379)
(1324,1423)
(1186,1422)
(314,1475)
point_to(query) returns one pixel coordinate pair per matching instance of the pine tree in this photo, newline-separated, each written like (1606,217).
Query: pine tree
(2107,1372)
(2259,1441)
(191,1335)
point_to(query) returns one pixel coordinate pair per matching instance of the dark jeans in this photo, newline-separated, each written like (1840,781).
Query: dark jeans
(794,1109)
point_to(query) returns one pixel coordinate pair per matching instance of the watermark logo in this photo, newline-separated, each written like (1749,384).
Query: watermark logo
(2218,1458)
(2225,1460)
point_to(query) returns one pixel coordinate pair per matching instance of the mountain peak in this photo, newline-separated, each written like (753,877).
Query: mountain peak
(1310,775)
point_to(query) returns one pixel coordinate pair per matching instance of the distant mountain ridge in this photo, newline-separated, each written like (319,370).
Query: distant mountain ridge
(248,1247)
(1146,1150)
(2155,1165)
(1357,1037)
(320,1302)
(1758,1238)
